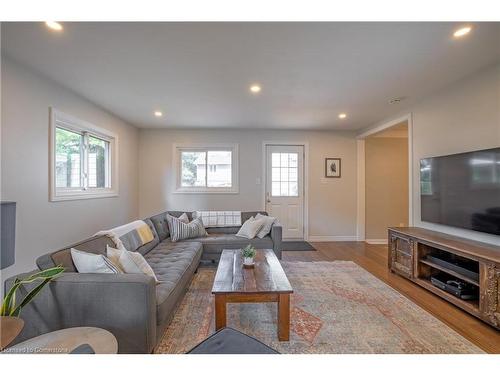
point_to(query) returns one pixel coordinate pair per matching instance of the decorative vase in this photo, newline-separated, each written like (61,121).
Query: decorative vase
(248,261)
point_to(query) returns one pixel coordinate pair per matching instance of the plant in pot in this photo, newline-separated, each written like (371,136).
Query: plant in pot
(10,310)
(249,255)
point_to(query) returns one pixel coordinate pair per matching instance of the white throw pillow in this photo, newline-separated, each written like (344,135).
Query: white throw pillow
(184,218)
(92,263)
(250,228)
(130,262)
(114,256)
(268,223)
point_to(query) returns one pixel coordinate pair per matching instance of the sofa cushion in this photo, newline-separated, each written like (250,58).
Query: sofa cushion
(94,245)
(174,265)
(223,230)
(161,226)
(215,243)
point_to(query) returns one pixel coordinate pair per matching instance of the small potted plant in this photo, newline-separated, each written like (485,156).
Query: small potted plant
(10,308)
(248,256)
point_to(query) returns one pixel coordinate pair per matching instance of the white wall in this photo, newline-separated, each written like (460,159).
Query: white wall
(332,202)
(462,117)
(43,226)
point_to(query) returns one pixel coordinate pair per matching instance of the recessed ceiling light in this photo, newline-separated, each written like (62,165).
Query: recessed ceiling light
(54,25)
(342,115)
(255,88)
(158,113)
(462,31)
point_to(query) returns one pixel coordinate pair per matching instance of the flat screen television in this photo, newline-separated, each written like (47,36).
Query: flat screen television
(462,190)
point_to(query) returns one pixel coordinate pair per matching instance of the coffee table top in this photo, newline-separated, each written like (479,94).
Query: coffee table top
(267,276)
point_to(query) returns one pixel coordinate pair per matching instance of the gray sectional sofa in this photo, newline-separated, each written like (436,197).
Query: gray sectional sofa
(132,307)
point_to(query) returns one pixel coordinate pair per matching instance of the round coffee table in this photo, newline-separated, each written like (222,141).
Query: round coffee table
(66,340)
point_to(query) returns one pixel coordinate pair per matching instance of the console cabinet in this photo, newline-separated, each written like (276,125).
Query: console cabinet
(422,255)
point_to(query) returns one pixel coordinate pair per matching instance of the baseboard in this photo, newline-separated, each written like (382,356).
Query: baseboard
(377,241)
(331,238)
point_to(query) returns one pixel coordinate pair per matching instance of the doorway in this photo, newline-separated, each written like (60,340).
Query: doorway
(385,179)
(285,187)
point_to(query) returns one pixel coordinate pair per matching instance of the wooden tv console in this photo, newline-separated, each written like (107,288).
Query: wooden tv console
(408,252)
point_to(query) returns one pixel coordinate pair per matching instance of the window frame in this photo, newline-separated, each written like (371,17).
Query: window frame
(197,147)
(65,121)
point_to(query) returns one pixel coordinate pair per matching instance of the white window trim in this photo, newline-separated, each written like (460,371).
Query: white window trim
(177,165)
(63,120)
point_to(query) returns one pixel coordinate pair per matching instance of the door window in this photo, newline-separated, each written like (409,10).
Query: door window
(285,170)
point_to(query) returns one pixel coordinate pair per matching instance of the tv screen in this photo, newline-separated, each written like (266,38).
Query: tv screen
(462,190)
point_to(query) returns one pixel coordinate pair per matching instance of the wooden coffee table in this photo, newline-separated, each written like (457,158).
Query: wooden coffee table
(266,282)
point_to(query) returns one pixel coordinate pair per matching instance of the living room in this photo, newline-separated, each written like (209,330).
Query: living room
(250,187)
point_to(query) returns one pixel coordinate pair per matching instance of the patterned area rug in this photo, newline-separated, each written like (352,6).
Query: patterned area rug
(337,307)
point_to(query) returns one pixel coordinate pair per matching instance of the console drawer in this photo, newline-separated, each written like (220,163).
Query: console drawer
(401,254)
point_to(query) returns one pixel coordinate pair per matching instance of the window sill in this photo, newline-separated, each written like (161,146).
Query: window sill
(190,191)
(78,196)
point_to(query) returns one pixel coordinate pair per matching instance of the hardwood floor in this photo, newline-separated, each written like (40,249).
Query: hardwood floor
(373,258)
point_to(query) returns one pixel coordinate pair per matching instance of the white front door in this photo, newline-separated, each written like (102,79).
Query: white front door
(285,188)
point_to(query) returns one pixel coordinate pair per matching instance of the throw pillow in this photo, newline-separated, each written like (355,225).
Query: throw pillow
(131,261)
(114,256)
(268,223)
(92,263)
(250,228)
(182,231)
(184,218)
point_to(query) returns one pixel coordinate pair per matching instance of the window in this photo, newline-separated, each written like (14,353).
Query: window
(206,169)
(284,179)
(82,159)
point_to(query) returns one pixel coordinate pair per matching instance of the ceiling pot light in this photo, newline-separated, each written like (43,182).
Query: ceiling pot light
(54,25)
(342,115)
(158,113)
(462,31)
(255,88)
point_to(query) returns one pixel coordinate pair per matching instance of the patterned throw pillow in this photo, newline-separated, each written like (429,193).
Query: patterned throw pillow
(92,263)
(182,231)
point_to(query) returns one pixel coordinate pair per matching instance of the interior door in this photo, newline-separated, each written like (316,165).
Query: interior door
(285,188)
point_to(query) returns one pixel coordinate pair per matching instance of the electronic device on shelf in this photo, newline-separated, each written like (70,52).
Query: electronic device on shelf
(462,266)
(455,286)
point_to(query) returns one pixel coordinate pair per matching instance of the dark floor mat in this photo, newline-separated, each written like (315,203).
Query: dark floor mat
(297,246)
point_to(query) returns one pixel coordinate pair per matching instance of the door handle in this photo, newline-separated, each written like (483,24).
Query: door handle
(268,199)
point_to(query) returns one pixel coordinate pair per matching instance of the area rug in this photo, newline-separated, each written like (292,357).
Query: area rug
(337,307)
(297,246)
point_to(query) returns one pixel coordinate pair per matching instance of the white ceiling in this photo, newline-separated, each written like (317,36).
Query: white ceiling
(198,73)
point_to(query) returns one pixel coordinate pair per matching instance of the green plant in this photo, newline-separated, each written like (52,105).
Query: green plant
(9,307)
(249,251)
